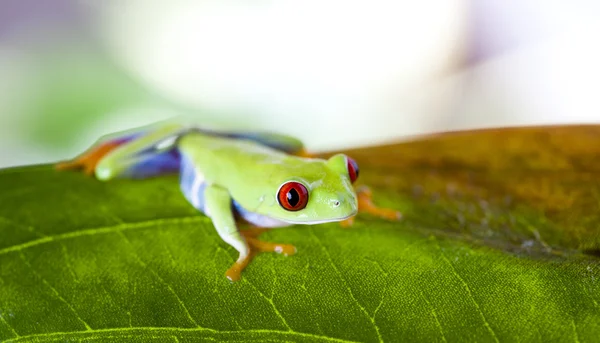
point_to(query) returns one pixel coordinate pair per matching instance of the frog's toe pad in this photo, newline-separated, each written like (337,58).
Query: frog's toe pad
(235,272)
(260,246)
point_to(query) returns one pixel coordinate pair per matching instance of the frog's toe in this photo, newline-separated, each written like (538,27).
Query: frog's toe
(256,246)
(88,161)
(346,223)
(366,205)
(234,273)
(261,246)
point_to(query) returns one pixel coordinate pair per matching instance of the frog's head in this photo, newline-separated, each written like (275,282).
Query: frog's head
(314,192)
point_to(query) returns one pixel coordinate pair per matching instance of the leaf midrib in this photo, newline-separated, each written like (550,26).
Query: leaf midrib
(167,332)
(120,227)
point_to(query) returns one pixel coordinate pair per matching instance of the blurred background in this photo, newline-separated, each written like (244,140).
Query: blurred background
(335,73)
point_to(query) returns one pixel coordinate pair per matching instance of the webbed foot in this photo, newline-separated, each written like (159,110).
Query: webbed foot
(256,246)
(366,205)
(88,160)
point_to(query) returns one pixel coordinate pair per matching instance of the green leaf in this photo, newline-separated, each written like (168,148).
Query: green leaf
(499,242)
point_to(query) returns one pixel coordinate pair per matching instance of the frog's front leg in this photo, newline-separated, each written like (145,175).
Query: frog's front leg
(366,205)
(218,207)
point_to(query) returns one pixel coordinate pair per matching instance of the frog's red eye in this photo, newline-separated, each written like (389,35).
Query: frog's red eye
(352,169)
(292,196)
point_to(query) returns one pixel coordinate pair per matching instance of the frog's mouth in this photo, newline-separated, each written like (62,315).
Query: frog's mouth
(315,222)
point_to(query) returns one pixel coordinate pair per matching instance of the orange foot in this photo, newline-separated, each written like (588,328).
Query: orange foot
(89,159)
(256,246)
(366,205)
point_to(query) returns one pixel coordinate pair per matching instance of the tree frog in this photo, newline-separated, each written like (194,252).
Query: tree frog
(266,179)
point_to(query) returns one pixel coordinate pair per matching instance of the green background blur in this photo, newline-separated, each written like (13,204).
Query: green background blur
(334,73)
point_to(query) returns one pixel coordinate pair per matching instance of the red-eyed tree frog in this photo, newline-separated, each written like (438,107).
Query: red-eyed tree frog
(266,179)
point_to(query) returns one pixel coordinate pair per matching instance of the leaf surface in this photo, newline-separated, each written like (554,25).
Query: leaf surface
(499,242)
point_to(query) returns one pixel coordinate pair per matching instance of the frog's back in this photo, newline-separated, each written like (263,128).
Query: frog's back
(284,143)
(216,156)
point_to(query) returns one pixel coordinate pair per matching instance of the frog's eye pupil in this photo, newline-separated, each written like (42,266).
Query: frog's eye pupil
(352,169)
(292,196)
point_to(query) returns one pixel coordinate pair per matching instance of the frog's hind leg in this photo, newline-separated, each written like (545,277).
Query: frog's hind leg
(136,155)
(88,160)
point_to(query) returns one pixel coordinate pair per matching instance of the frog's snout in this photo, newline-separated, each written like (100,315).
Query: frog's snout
(345,203)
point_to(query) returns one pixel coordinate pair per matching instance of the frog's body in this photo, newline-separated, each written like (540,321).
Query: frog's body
(214,158)
(255,176)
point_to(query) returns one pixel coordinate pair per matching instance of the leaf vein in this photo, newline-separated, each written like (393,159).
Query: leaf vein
(9,326)
(434,314)
(270,300)
(167,331)
(310,294)
(56,293)
(485,322)
(68,262)
(101,230)
(387,274)
(341,276)
(575,334)
(146,266)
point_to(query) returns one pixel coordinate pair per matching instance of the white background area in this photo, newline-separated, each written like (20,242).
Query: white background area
(339,74)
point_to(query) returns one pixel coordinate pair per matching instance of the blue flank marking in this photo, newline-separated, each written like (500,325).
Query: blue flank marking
(155,164)
(149,163)
(186,182)
(188,176)
(255,218)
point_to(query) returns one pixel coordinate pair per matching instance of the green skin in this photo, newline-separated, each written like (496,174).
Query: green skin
(249,173)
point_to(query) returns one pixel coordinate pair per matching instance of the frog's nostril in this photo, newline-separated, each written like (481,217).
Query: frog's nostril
(336,203)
